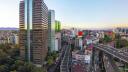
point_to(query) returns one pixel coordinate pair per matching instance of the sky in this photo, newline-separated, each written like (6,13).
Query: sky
(74,13)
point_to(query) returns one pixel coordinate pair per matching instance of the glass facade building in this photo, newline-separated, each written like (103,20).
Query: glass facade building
(57,26)
(51,30)
(33,35)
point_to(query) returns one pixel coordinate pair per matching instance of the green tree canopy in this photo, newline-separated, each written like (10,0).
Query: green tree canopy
(107,39)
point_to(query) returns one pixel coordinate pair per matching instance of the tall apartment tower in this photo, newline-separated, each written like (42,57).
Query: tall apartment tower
(33,35)
(51,30)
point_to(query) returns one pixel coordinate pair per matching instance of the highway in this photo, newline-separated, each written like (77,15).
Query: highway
(113,52)
(55,67)
(109,53)
(121,51)
(116,49)
(64,67)
(124,50)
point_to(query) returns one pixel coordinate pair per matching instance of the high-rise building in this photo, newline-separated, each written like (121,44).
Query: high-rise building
(57,26)
(33,34)
(51,30)
(58,41)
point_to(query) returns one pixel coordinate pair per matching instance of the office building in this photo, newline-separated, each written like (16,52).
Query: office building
(51,30)
(33,36)
(57,26)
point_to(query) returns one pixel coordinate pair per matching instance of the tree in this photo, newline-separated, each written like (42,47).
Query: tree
(107,39)
(3,68)
(54,55)
(37,69)
(117,44)
(9,61)
(1,46)
(29,67)
(50,61)
(3,57)
(14,53)
(21,69)
(13,71)
(120,43)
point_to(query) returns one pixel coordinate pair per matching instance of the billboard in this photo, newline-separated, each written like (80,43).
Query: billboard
(80,34)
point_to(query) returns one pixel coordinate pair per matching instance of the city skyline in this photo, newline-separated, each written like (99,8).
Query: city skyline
(88,14)
(64,36)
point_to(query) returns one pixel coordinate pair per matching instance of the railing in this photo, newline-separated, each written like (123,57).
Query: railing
(111,53)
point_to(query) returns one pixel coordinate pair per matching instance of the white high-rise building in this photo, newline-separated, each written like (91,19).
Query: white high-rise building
(57,41)
(51,30)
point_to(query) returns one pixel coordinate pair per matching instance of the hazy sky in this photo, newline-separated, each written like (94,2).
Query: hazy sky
(77,13)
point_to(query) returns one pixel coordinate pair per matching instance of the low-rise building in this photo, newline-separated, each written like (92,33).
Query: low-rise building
(8,37)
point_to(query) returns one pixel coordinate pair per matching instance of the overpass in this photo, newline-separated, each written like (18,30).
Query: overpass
(103,58)
(123,56)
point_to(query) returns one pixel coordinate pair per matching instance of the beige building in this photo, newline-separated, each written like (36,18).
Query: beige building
(33,34)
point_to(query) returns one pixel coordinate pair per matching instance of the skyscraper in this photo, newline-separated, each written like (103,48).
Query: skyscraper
(57,26)
(51,30)
(33,34)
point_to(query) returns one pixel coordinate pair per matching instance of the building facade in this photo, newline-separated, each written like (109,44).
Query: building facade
(33,35)
(9,37)
(13,39)
(57,26)
(58,41)
(51,30)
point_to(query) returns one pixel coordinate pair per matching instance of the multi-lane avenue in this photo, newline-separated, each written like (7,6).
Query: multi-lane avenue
(64,67)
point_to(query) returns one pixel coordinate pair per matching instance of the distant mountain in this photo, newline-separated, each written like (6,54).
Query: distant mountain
(8,28)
